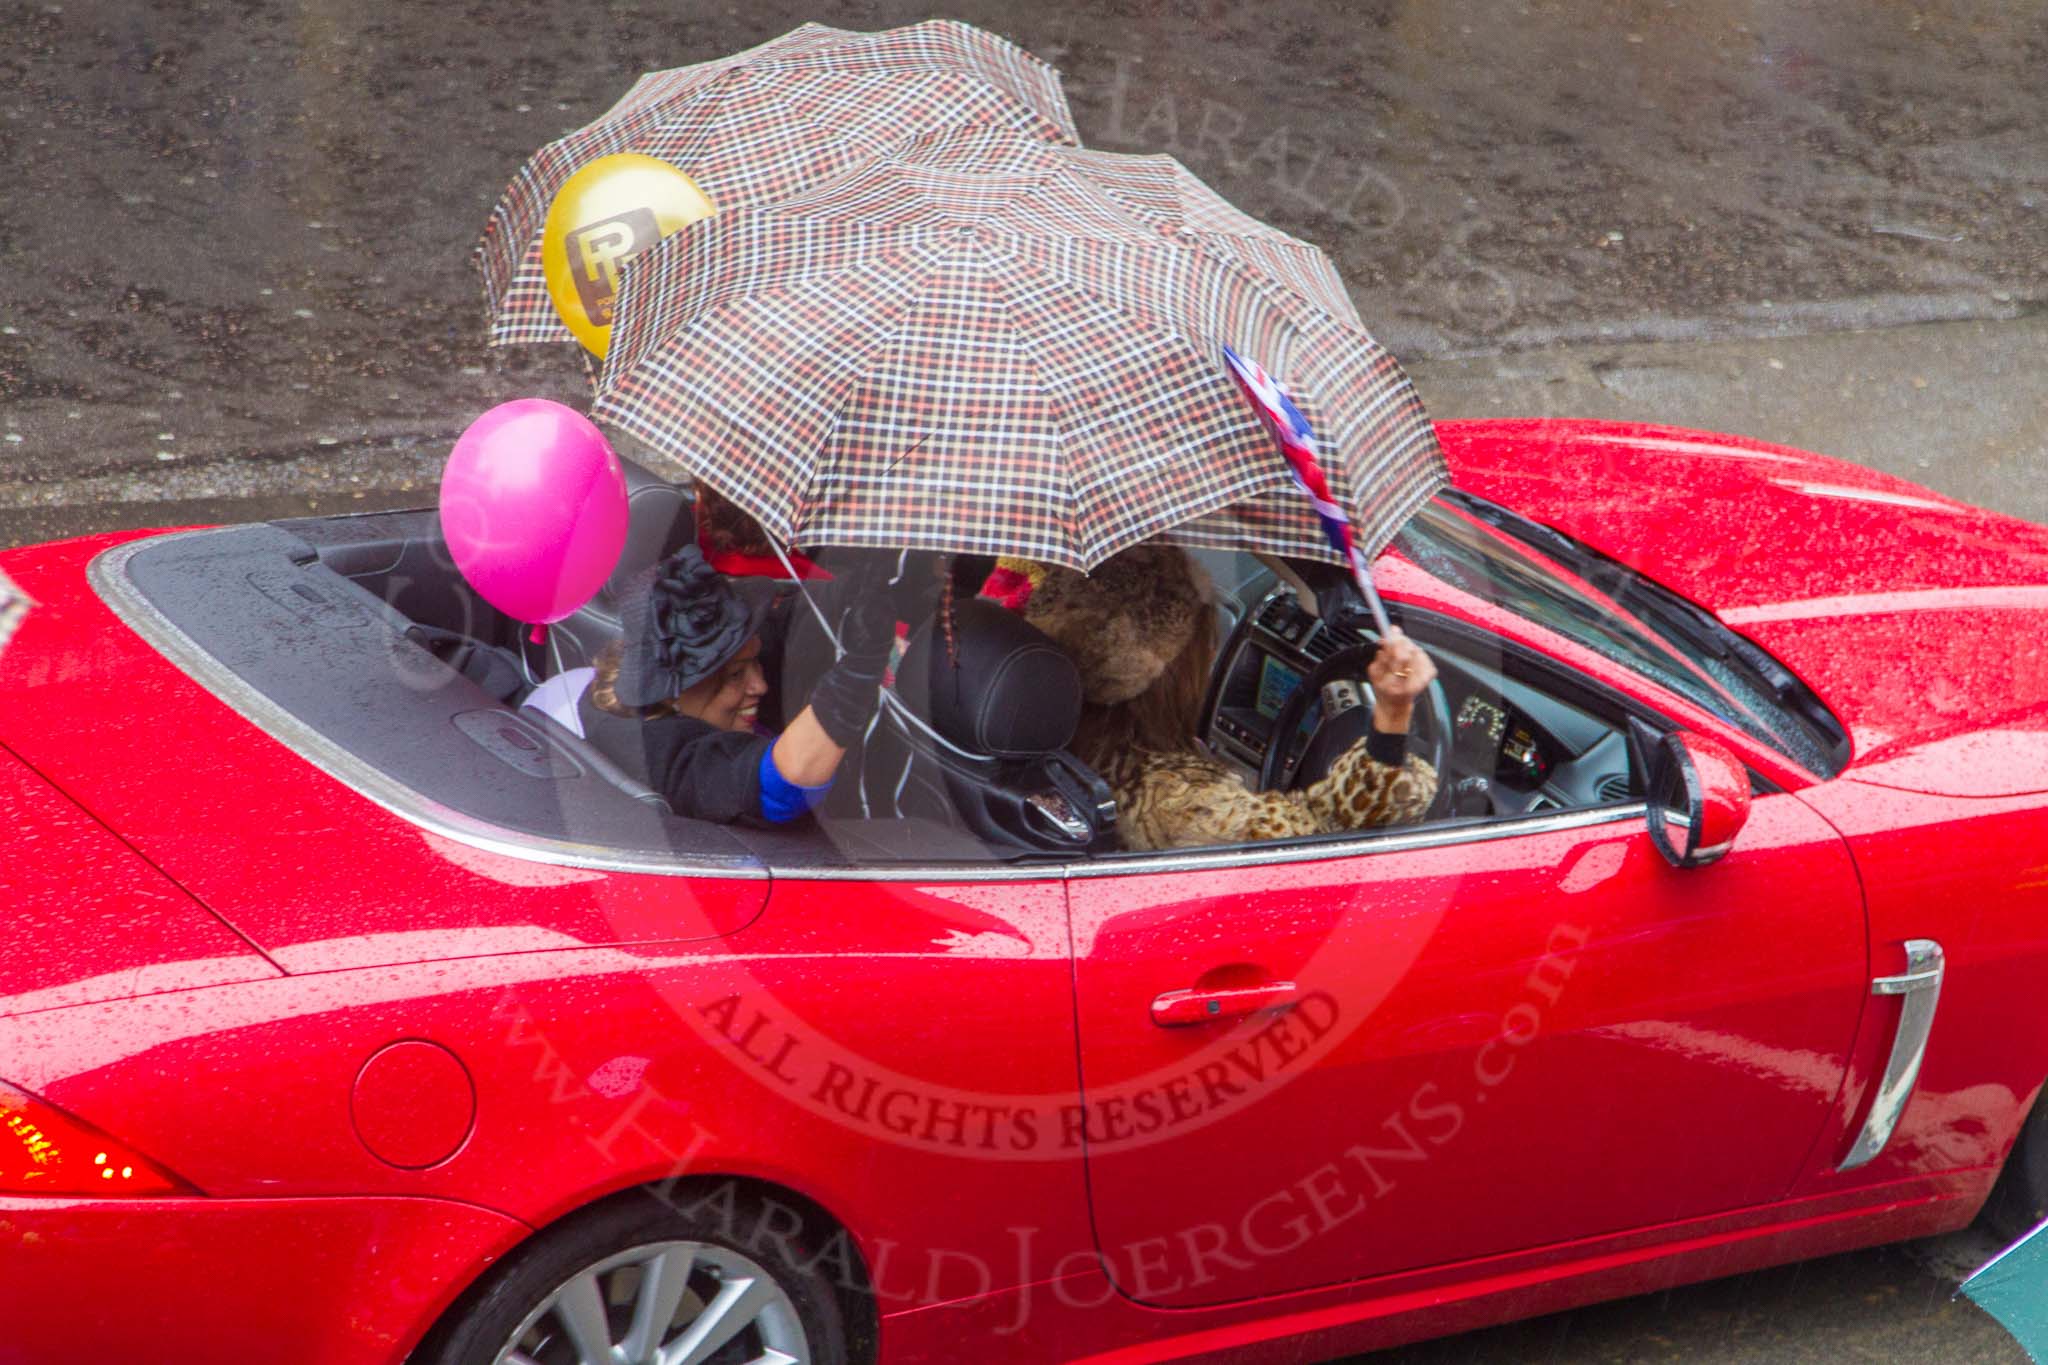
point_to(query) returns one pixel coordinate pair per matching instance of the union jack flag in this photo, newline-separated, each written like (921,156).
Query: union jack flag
(1297,441)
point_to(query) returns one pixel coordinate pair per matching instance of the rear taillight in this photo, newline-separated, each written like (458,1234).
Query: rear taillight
(43,1150)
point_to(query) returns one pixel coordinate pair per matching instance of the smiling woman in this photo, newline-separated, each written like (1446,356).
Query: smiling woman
(675,702)
(729,699)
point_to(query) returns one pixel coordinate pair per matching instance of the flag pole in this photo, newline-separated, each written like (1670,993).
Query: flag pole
(1372,597)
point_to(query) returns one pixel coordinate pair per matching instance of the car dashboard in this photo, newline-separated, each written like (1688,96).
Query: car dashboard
(1513,749)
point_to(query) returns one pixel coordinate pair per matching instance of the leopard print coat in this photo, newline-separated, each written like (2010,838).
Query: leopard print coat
(1178,800)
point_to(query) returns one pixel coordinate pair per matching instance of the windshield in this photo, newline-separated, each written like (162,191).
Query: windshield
(1478,547)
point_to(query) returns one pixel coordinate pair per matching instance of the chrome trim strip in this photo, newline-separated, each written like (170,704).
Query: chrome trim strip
(1015,873)
(1179,861)
(1920,988)
(1390,841)
(108,575)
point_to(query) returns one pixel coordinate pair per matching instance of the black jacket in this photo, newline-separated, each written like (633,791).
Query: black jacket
(712,774)
(706,773)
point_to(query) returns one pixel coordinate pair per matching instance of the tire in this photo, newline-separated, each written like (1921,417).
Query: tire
(728,1263)
(2019,1201)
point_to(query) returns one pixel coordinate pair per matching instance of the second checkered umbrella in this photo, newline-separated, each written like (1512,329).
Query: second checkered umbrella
(971,344)
(767,122)
(1160,191)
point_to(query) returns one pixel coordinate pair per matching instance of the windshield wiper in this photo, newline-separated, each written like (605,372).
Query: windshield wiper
(1687,620)
(1639,593)
(1680,617)
(1573,554)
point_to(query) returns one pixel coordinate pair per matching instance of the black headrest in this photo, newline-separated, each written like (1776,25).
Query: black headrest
(659,521)
(1006,690)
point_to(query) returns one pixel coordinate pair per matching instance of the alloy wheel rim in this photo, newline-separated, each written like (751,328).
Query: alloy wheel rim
(663,1303)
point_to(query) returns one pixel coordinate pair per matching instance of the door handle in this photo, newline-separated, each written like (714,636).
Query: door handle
(1179,1009)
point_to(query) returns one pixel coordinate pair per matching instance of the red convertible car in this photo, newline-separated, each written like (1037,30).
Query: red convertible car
(353,1014)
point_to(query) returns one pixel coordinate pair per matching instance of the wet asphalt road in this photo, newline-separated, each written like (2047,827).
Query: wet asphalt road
(234,282)
(234,236)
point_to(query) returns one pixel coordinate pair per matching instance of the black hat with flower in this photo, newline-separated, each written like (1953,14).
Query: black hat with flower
(683,621)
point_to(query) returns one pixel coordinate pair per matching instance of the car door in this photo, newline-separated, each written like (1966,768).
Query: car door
(1308,1065)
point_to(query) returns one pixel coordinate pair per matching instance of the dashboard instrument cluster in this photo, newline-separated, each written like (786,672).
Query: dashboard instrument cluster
(1488,731)
(1504,759)
(1269,657)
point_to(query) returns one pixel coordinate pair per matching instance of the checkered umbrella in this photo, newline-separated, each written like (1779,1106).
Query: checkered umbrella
(974,344)
(1161,191)
(769,122)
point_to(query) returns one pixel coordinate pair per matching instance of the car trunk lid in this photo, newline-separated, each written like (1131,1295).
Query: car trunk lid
(315,873)
(90,919)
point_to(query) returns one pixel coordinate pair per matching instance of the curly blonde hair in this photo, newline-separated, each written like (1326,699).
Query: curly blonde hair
(604,688)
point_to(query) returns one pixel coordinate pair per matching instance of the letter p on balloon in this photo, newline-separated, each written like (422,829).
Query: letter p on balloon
(596,252)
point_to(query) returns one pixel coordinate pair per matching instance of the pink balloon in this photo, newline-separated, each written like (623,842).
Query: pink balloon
(533,507)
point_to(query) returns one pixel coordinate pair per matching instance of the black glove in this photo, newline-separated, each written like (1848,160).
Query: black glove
(845,699)
(910,579)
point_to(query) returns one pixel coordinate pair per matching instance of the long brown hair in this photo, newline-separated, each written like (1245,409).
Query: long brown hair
(1165,717)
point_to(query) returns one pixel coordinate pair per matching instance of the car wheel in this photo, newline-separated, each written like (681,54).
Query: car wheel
(635,1281)
(2019,1201)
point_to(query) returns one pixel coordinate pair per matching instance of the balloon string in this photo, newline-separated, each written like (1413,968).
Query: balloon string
(831,635)
(898,710)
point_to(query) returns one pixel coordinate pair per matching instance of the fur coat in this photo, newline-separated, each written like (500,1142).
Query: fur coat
(1124,625)
(1181,800)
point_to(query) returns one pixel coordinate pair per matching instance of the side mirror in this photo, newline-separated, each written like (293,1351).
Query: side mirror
(1698,796)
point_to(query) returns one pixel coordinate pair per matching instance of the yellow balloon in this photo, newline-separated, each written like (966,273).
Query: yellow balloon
(603,214)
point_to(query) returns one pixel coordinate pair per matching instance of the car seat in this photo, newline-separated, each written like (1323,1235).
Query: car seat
(659,521)
(983,744)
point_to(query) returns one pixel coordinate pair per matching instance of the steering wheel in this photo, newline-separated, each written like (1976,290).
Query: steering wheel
(1429,733)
